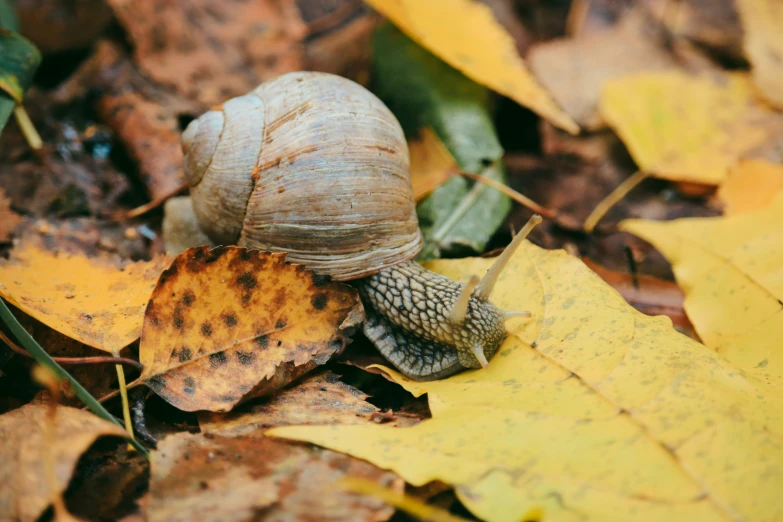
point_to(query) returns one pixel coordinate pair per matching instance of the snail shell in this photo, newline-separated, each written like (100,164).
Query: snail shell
(310,164)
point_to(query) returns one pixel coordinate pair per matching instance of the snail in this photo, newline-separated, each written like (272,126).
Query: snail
(316,166)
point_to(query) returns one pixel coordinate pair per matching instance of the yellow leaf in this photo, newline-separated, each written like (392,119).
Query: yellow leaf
(431,163)
(731,270)
(96,301)
(751,185)
(682,127)
(465,34)
(229,324)
(762,21)
(590,411)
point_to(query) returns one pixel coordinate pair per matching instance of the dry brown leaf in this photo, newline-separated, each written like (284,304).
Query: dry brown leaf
(8,218)
(574,70)
(320,398)
(233,51)
(24,491)
(431,163)
(229,324)
(96,300)
(751,185)
(714,24)
(213,478)
(762,21)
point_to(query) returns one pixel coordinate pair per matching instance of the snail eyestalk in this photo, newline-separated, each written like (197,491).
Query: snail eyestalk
(460,307)
(488,282)
(510,314)
(478,351)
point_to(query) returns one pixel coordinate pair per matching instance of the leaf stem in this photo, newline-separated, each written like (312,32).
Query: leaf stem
(612,199)
(27,128)
(44,359)
(73,360)
(513,194)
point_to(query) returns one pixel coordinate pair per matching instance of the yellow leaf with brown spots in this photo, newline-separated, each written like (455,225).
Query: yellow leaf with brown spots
(683,127)
(762,21)
(590,411)
(229,324)
(751,185)
(98,301)
(431,163)
(466,35)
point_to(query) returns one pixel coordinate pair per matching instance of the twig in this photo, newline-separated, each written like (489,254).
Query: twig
(143,209)
(612,199)
(74,360)
(513,194)
(113,394)
(577,15)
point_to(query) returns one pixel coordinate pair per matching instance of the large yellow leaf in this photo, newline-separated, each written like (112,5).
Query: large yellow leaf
(682,127)
(731,269)
(465,34)
(591,411)
(762,21)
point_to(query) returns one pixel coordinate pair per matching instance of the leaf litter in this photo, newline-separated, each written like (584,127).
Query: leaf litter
(592,410)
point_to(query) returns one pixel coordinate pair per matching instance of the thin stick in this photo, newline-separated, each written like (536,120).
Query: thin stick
(612,199)
(143,209)
(27,128)
(513,194)
(487,283)
(113,394)
(125,402)
(576,17)
(74,360)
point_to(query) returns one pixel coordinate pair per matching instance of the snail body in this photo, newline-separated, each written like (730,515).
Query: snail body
(316,166)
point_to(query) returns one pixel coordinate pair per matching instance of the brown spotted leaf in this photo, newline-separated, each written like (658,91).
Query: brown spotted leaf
(228,324)
(24,491)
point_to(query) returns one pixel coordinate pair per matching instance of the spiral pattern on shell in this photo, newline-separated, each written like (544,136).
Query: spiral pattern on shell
(311,164)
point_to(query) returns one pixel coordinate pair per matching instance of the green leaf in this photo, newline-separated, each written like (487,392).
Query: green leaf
(422,90)
(19,61)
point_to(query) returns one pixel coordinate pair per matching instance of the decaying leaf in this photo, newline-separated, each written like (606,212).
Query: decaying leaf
(319,398)
(683,127)
(8,218)
(247,44)
(24,491)
(713,24)
(761,21)
(228,324)
(214,478)
(431,163)
(98,301)
(751,185)
(466,35)
(575,69)
(730,270)
(591,411)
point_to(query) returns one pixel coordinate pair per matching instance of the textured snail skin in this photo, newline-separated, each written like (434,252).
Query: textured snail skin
(408,320)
